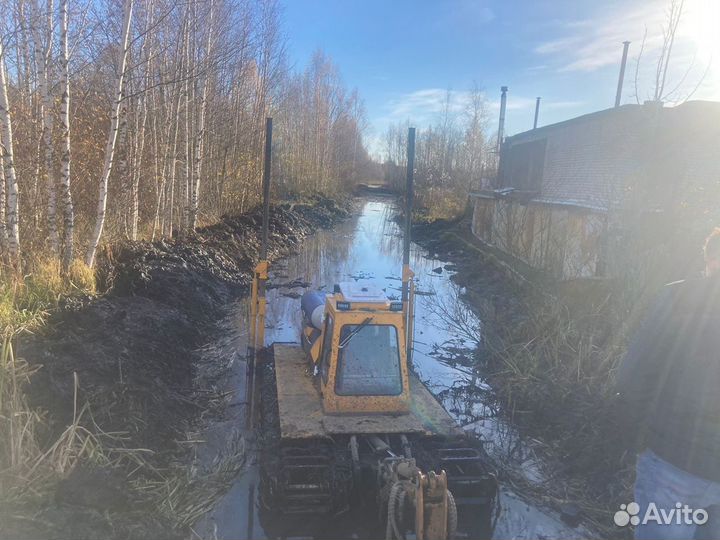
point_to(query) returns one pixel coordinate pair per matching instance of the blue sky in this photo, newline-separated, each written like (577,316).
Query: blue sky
(404,55)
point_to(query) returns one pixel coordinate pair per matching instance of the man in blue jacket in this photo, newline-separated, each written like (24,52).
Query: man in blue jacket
(669,382)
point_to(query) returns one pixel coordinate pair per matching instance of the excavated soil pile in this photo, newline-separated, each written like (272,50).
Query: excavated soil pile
(133,348)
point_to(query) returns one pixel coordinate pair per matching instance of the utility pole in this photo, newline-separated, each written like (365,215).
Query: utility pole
(621,78)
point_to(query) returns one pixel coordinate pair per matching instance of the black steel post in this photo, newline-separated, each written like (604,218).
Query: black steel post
(266,188)
(258,308)
(409,194)
(621,78)
(537,112)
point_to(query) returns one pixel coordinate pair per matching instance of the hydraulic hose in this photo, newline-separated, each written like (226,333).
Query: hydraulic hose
(396,511)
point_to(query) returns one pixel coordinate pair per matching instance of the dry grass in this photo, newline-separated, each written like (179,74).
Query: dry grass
(554,373)
(183,494)
(442,203)
(31,470)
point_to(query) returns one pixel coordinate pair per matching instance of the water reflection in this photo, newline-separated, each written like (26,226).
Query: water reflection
(447,341)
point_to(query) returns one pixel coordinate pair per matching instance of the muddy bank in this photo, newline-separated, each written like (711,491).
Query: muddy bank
(130,355)
(547,353)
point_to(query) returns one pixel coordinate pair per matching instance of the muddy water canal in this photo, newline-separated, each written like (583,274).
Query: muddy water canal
(369,247)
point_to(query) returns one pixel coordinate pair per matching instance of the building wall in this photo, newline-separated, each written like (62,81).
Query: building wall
(563,241)
(587,160)
(633,162)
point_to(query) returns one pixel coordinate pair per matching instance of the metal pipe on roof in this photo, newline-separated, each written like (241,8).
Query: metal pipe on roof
(501,126)
(537,112)
(621,78)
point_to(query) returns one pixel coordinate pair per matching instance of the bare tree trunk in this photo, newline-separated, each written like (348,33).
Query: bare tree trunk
(3,204)
(13,211)
(168,230)
(201,125)
(122,168)
(46,112)
(112,139)
(185,184)
(145,55)
(137,167)
(66,193)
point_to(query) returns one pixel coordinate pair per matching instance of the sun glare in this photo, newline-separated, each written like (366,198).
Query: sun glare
(703,21)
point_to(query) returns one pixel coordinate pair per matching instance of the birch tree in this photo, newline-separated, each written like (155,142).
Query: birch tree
(8,155)
(3,204)
(198,155)
(67,203)
(112,137)
(43,49)
(189,85)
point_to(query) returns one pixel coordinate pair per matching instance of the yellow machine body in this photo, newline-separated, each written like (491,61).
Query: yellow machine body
(326,352)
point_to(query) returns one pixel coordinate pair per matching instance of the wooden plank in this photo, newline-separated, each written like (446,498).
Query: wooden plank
(298,400)
(302,415)
(429,412)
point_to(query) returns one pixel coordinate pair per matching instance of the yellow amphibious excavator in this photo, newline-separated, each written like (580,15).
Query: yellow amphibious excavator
(344,424)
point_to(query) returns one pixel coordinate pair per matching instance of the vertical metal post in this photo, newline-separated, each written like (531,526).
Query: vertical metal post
(409,195)
(501,125)
(407,274)
(263,266)
(258,302)
(266,187)
(537,112)
(621,78)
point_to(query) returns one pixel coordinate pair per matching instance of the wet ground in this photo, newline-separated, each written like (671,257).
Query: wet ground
(127,370)
(447,345)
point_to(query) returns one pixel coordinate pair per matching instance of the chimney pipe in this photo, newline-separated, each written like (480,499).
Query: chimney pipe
(537,112)
(501,127)
(621,78)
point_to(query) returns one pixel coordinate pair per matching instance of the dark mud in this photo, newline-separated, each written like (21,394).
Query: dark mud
(134,352)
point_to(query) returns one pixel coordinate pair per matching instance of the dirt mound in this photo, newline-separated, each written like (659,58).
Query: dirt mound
(133,348)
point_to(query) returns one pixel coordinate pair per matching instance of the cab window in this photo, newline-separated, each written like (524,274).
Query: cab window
(369,361)
(326,349)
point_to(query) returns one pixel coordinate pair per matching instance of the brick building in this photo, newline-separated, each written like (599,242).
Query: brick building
(564,190)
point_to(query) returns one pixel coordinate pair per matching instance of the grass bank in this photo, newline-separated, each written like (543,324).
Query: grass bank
(102,395)
(550,354)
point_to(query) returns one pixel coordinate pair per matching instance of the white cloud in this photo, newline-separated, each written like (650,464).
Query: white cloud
(424,107)
(594,43)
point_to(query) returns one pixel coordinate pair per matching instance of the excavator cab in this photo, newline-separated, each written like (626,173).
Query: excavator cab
(358,350)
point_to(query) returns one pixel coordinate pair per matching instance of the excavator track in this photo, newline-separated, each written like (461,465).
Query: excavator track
(302,476)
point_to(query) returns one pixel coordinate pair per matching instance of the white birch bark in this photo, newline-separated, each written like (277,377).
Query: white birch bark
(3,227)
(122,154)
(168,225)
(112,138)
(46,121)
(65,191)
(145,54)
(200,135)
(186,182)
(13,210)
(137,167)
